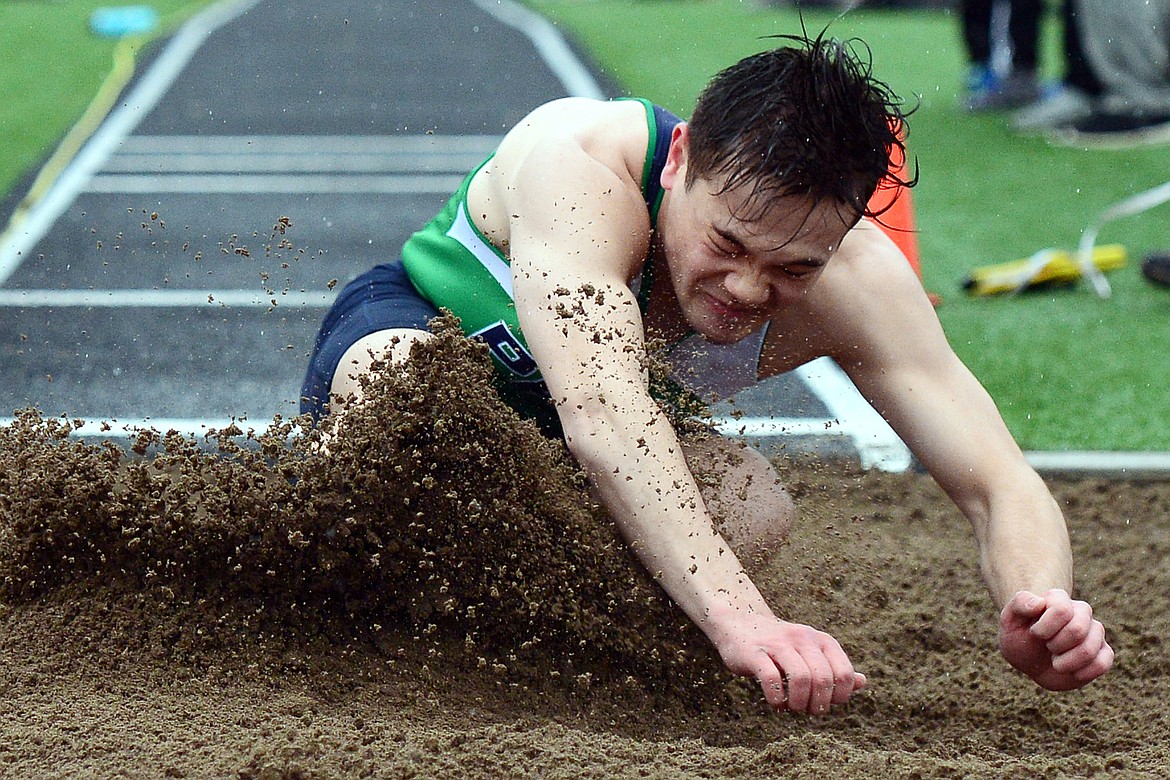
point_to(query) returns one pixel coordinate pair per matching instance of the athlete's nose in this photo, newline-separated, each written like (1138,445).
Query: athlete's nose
(747,286)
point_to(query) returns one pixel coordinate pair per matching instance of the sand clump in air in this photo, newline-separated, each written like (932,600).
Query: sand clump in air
(438,596)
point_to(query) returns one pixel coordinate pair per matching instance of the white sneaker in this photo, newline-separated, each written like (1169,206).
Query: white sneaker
(1063,107)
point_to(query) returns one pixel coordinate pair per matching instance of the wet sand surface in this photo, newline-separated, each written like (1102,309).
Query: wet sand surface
(438,597)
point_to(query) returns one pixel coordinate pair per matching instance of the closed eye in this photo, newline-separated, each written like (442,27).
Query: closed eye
(801,270)
(724,249)
(726,244)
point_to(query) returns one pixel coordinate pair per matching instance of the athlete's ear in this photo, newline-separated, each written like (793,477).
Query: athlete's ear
(676,159)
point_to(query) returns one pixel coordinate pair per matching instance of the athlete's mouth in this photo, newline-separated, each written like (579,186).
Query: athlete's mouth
(729,310)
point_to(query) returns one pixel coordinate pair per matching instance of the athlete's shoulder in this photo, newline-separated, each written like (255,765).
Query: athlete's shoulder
(614,132)
(572,162)
(869,262)
(869,294)
(581,113)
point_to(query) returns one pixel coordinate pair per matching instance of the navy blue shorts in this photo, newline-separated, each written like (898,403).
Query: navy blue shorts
(382,298)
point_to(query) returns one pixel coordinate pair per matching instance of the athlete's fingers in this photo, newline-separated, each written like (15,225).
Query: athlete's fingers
(1083,653)
(772,682)
(1024,608)
(797,676)
(844,686)
(821,684)
(1059,609)
(1074,632)
(1099,665)
(842,671)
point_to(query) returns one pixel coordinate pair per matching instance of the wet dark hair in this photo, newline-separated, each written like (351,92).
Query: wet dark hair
(806,119)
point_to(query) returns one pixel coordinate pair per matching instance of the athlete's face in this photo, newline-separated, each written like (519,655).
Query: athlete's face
(730,275)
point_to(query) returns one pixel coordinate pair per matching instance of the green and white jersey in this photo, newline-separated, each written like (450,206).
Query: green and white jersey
(455,267)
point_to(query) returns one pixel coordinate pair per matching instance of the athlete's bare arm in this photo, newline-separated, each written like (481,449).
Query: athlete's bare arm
(868,311)
(577,231)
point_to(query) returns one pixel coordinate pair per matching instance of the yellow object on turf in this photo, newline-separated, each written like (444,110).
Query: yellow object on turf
(1048,267)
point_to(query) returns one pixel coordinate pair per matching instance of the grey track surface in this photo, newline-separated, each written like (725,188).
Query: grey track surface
(398,66)
(299,68)
(328,74)
(369,71)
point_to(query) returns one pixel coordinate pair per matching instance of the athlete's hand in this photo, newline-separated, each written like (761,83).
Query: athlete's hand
(1054,640)
(799,668)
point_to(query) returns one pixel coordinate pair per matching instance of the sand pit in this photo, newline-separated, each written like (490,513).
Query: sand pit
(438,598)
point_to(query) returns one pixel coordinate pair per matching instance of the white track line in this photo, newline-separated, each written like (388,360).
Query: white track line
(877,444)
(269,162)
(145,95)
(1117,465)
(93,428)
(427,154)
(300,184)
(163,299)
(768,427)
(549,42)
(374,165)
(456,146)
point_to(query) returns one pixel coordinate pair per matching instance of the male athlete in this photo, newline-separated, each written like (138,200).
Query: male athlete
(598,224)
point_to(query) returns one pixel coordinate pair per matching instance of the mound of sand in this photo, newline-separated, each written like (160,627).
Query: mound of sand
(438,596)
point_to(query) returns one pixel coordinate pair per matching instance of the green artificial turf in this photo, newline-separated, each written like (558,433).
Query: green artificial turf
(53,66)
(1068,371)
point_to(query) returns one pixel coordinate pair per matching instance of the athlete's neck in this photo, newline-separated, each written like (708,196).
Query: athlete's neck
(663,317)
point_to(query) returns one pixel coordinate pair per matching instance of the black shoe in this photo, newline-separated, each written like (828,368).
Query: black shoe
(1156,268)
(1115,131)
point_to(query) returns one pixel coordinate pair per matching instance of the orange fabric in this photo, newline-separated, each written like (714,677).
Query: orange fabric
(898,221)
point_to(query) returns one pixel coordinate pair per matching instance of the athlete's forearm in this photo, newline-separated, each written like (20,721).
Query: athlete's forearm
(634,460)
(1025,545)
